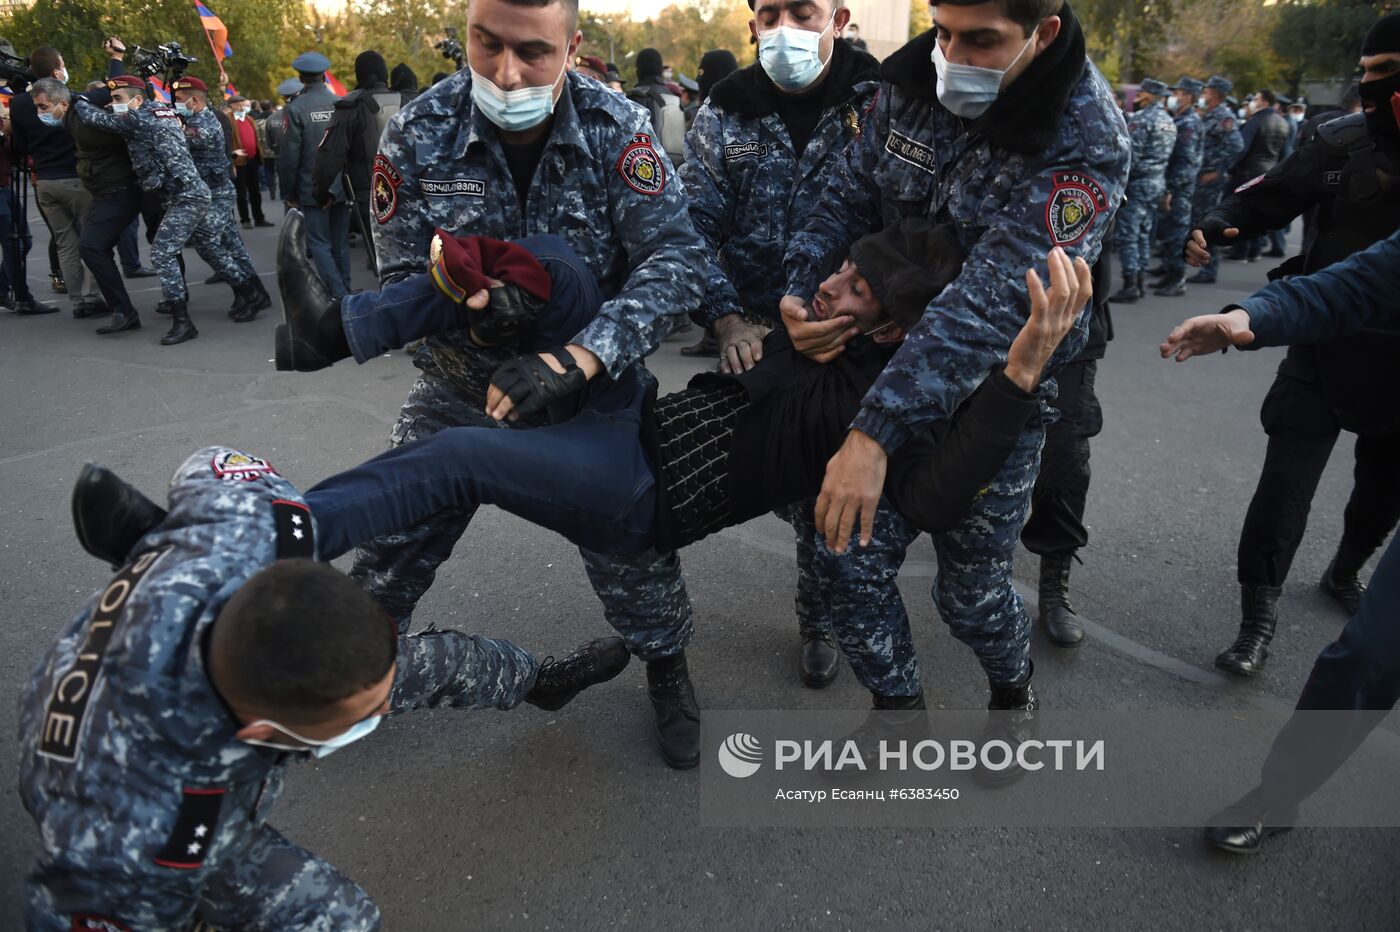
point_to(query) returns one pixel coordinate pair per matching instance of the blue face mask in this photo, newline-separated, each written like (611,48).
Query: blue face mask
(182,108)
(791,56)
(517,110)
(50,120)
(317,749)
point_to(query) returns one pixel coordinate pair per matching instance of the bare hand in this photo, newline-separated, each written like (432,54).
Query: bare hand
(1165,203)
(1208,177)
(114,48)
(855,477)
(1052,316)
(498,403)
(1196,252)
(819,341)
(1209,333)
(740,343)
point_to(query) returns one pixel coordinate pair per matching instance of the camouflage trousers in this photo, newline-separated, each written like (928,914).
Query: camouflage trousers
(1133,229)
(644,596)
(183,215)
(217,239)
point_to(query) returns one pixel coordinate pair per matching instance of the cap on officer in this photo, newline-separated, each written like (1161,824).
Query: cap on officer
(126,80)
(1188,84)
(189,83)
(687,83)
(1153,86)
(1222,84)
(311,63)
(593,66)
(1283,99)
(289,88)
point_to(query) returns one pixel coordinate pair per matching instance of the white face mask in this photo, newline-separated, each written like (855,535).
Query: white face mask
(517,110)
(62,75)
(317,749)
(119,107)
(968,90)
(1201,102)
(791,56)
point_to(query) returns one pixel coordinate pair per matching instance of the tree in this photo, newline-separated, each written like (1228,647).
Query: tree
(920,18)
(1322,39)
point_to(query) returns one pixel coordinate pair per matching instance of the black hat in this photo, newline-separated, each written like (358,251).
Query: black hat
(370,68)
(648,64)
(1384,36)
(908,264)
(715,66)
(402,78)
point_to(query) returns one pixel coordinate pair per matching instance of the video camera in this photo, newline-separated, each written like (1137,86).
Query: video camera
(168,60)
(15,70)
(451,47)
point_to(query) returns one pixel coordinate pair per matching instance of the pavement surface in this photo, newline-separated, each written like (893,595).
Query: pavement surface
(570,819)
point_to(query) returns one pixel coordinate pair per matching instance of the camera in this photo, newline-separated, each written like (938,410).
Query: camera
(15,70)
(451,47)
(168,60)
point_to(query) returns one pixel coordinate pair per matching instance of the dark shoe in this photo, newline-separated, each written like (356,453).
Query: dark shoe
(1013,720)
(263,223)
(84,311)
(7,300)
(820,659)
(120,323)
(110,516)
(1259,606)
(312,336)
(31,307)
(1173,287)
(1275,254)
(1237,254)
(559,681)
(141,272)
(892,719)
(1242,827)
(181,327)
(163,307)
(215,278)
(706,347)
(1201,278)
(250,300)
(58,284)
(1342,580)
(245,224)
(1158,270)
(1055,613)
(677,714)
(1131,290)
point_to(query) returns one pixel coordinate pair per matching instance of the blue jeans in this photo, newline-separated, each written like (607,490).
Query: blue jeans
(328,238)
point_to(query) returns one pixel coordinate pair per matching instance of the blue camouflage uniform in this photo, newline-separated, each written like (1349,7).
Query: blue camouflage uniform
(1183,168)
(749,191)
(1220,150)
(217,239)
(1045,166)
(161,158)
(151,812)
(614,198)
(1153,134)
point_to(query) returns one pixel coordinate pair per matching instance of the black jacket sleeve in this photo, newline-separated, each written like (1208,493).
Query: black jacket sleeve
(933,482)
(334,150)
(1274,199)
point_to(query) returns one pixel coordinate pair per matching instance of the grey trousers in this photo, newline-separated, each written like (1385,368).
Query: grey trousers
(65,203)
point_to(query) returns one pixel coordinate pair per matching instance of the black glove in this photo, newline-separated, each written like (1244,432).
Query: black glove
(532,385)
(1213,226)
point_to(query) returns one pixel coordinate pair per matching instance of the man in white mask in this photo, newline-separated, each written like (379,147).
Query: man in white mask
(996,121)
(515,145)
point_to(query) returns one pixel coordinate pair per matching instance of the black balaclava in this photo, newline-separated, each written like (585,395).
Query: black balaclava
(1384,120)
(648,64)
(370,69)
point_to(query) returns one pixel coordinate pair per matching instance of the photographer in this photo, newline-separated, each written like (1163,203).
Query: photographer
(61,196)
(14,234)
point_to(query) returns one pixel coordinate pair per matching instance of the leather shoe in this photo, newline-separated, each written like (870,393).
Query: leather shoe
(263,223)
(121,322)
(58,284)
(677,713)
(311,336)
(1201,278)
(140,272)
(30,307)
(84,311)
(820,659)
(559,681)
(1240,827)
(109,515)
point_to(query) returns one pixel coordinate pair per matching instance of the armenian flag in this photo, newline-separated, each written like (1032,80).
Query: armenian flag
(334,84)
(162,92)
(216,31)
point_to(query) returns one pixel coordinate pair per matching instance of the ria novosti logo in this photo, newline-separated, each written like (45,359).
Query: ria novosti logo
(741,755)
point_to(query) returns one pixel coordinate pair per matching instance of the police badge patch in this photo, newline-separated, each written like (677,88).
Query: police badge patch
(641,167)
(233,465)
(1075,200)
(384,189)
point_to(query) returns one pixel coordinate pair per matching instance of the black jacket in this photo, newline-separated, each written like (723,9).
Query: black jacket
(1267,133)
(352,139)
(104,162)
(51,147)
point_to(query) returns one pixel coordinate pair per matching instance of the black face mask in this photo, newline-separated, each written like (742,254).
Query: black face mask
(1384,121)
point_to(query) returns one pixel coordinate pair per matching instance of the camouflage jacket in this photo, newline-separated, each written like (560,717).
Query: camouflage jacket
(600,184)
(749,190)
(1223,143)
(1153,134)
(156,139)
(1045,166)
(208,147)
(1185,163)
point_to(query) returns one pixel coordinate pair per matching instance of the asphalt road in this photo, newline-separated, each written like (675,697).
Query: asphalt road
(570,820)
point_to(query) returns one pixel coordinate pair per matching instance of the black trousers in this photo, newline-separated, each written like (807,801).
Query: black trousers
(1056,524)
(108,218)
(1302,429)
(249,187)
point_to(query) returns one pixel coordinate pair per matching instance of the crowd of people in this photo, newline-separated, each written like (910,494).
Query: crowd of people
(893,262)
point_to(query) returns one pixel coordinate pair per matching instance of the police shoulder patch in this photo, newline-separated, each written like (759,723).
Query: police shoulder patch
(235,466)
(295,539)
(1075,201)
(384,189)
(91,922)
(189,840)
(641,167)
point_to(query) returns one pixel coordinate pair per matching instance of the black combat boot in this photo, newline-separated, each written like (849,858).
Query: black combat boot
(1241,827)
(677,714)
(1171,287)
(312,336)
(820,659)
(1259,605)
(1342,580)
(892,719)
(250,297)
(109,516)
(561,680)
(1055,613)
(1131,290)
(1013,720)
(181,327)
(121,322)
(163,307)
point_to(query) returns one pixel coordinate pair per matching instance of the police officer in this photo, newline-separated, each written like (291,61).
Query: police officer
(1351,172)
(980,138)
(306,119)
(345,156)
(756,161)
(162,160)
(1153,134)
(155,733)
(217,238)
(1174,221)
(1219,152)
(561,154)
